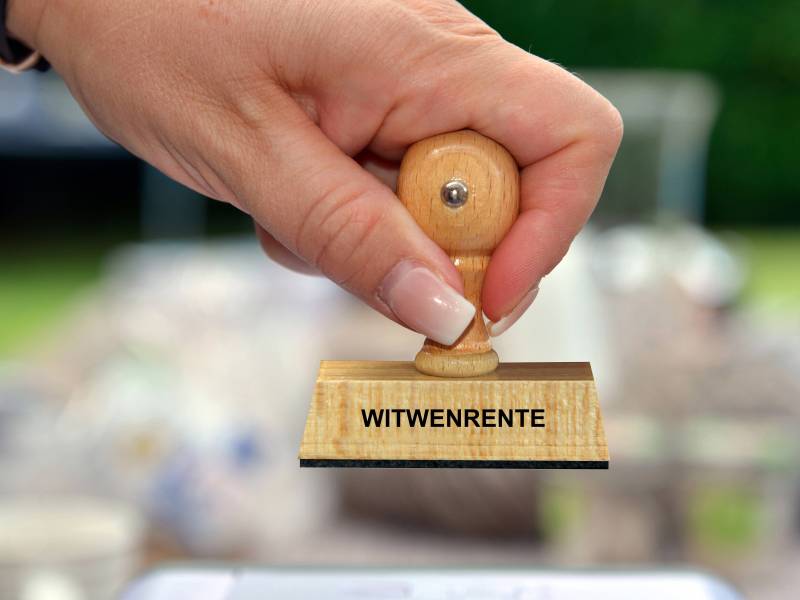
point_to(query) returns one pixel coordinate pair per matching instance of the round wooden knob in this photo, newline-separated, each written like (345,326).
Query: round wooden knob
(463,190)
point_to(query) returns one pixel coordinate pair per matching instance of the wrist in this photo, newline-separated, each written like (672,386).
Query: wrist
(22,20)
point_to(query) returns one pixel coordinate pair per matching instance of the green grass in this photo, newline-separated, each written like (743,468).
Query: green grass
(560,510)
(38,288)
(726,519)
(774,269)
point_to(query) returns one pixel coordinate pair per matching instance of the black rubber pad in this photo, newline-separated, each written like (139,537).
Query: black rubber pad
(455,464)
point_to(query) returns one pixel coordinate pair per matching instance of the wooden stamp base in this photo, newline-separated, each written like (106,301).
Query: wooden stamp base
(388,414)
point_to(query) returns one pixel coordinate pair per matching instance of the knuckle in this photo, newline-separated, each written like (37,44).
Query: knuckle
(601,121)
(615,125)
(608,125)
(338,233)
(451,20)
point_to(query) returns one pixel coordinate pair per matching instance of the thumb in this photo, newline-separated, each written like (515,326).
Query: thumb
(324,208)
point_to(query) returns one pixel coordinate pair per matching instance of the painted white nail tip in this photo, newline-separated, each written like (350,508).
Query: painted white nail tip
(499,327)
(426,303)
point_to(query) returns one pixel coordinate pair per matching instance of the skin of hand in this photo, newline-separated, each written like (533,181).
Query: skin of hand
(298,112)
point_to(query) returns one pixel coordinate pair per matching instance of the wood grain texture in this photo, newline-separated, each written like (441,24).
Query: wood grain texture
(469,234)
(573,434)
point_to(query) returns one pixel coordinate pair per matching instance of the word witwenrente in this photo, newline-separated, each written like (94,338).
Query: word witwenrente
(458,417)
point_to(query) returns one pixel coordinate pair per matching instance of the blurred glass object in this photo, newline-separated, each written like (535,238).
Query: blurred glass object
(631,258)
(32,457)
(66,547)
(56,542)
(659,172)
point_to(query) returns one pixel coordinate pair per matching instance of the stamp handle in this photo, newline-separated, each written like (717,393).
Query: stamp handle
(462,188)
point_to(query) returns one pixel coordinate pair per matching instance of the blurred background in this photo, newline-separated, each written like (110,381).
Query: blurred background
(155,369)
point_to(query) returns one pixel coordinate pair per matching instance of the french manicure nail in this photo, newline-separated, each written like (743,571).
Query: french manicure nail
(500,326)
(426,303)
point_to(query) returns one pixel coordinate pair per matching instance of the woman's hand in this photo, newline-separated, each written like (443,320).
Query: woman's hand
(297,112)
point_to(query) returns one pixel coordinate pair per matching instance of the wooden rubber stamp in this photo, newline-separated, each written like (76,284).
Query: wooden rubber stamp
(457,406)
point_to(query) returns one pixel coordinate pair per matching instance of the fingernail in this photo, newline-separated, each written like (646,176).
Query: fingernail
(498,327)
(426,303)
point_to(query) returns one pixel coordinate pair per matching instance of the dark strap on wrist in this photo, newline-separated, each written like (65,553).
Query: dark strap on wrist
(12,51)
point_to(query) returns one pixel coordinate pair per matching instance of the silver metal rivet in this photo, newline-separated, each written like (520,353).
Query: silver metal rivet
(455,193)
